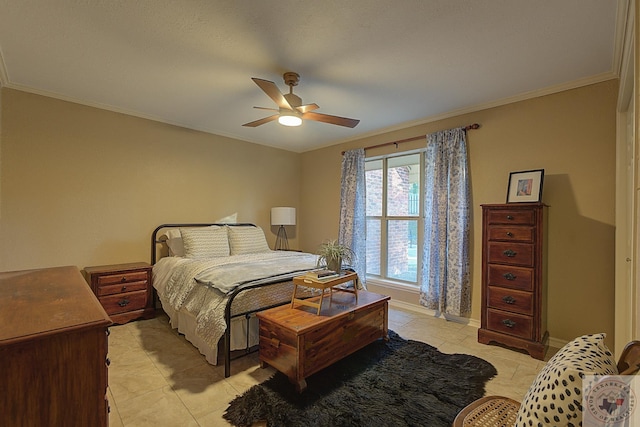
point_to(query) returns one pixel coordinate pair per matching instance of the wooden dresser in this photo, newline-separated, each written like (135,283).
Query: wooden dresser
(514,276)
(124,290)
(53,350)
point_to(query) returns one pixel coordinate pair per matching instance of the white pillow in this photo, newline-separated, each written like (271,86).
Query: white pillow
(555,397)
(205,242)
(174,242)
(247,240)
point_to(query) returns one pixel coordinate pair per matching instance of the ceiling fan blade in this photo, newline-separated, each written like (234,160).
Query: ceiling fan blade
(334,120)
(307,107)
(266,108)
(261,121)
(272,92)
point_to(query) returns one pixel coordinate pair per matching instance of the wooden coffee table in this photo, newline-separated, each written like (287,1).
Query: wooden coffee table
(299,342)
(323,285)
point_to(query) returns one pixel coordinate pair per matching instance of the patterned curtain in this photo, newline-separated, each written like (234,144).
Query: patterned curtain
(352,209)
(445,285)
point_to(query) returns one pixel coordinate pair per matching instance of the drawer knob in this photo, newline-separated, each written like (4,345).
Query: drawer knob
(509,299)
(510,253)
(123,302)
(124,279)
(510,234)
(124,288)
(510,217)
(108,361)
(508,323)
(509,276)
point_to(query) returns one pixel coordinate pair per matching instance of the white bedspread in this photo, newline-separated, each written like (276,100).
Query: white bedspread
(206,297)
(260,268)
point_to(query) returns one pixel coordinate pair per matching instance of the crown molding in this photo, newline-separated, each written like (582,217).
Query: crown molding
(586,81)
(454,113)
(623,32)
(625,44)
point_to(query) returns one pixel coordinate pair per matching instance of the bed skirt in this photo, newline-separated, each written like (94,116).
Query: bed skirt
(185,323)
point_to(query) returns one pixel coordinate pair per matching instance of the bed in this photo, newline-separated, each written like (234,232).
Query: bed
(211,279)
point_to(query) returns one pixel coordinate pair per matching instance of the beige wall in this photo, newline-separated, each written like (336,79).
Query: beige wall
(83,186)
(569,134)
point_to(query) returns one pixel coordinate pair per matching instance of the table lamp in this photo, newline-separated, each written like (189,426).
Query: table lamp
(282,216)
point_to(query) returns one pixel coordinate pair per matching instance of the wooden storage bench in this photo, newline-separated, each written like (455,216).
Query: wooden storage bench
(298,342)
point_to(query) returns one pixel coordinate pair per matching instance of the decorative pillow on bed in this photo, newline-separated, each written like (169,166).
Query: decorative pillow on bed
(247,240)
(555,397)
(205,242)
(174,242)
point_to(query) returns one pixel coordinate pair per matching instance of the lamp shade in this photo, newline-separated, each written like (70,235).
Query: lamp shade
(283,216)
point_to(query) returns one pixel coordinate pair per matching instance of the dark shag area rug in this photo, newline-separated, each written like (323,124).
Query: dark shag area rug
(395,383)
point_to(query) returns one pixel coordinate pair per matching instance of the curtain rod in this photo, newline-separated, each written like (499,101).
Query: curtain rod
(415,138)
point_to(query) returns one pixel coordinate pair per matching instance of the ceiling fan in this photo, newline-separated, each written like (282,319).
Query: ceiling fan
(290,111)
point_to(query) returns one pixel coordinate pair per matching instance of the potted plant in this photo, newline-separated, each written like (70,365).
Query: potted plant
(333,254)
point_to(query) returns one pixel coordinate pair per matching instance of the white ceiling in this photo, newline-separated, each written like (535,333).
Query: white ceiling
(389,63)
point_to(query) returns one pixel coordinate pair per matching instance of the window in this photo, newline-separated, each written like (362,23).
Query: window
(394,217)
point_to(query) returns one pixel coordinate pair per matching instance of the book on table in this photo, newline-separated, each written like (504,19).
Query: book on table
(322,274)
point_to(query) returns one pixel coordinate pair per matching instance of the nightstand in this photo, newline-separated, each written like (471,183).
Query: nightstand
(124,290)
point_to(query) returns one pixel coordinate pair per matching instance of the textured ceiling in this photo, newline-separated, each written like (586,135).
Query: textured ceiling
(388,63)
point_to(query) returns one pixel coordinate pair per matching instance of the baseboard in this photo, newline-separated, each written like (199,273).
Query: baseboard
(552,342)
(423,310)
(556,342)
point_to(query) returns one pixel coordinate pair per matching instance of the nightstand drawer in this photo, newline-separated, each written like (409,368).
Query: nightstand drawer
(121,288)
(124,302)
(125,277)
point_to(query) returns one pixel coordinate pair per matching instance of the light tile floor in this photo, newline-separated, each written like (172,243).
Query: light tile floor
(158,379)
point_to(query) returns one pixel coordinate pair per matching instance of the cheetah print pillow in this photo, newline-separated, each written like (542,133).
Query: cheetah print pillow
(555,397)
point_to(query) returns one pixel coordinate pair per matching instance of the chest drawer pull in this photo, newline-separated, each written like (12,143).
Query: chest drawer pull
(509,276)
(124,288)
(510,234)
(124,279)
(508,323)
(509,299)
(510,217)
(123,303)
(510,253)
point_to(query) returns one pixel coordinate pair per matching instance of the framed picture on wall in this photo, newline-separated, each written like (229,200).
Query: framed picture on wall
(525,186)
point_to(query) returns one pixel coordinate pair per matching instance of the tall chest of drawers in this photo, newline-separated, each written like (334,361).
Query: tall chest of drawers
(514,276)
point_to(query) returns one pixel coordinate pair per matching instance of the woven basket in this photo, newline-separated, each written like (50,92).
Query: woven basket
(489,411)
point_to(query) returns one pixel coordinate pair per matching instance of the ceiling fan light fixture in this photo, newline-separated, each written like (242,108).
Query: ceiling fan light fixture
(289,119)
(291,110)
